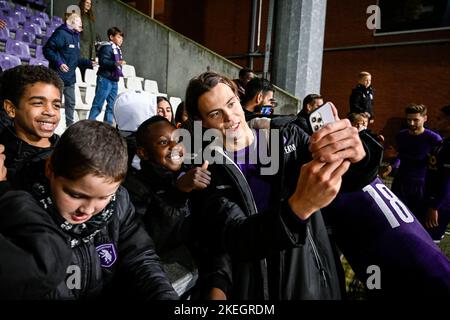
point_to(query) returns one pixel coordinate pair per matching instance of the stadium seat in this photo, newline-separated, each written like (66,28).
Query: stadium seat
(39,21)
(27,12)
(57,20)
(4,5)
(8,61)
(121,85)
(90,77)
(151,86)
(134,83)
(43,15)
(19,16)
(90,95)
(128,71)
(11,22)
(25,36)
(39,62)
(33,27)
(79,79)
(81,108)
(4,34)
(18,48)
(39,54)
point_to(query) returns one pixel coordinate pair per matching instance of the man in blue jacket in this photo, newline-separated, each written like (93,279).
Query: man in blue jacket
(62,50)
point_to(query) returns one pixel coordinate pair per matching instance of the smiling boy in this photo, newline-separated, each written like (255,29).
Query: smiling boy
(160,190)
(31,96)
(82,196)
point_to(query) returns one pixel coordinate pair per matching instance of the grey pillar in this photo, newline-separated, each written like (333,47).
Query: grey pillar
(298,49)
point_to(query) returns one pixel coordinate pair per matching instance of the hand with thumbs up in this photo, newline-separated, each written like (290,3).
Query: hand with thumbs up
(195,179)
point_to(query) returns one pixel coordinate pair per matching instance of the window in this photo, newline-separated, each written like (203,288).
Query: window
(401,16)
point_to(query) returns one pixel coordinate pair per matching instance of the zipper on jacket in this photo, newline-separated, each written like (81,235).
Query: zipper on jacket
(265,273)
(85,262)
(317,258)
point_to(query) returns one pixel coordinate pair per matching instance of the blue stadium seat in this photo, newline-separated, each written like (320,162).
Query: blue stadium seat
(43,15)
(39,54)
(57,20)
(11,22)
(32,27)
(4,5)
(8,61)
(4,34)
(18,15)
(18,48)
(39,21)
(25,36)
(39,62)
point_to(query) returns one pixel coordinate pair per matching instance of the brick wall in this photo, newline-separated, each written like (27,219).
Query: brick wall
(400,74)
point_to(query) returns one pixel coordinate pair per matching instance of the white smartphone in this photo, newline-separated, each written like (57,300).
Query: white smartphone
(321,116)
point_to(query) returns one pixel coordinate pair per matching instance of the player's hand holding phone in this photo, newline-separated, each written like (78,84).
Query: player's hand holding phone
(334,141)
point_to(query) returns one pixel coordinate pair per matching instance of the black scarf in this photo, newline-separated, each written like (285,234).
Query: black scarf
(78,233)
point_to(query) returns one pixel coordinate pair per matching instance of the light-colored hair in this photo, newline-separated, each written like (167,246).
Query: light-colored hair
(71,18)
(363,74)
(353,117)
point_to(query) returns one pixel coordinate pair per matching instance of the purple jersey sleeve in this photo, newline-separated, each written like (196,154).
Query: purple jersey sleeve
(372,227)
(438,178)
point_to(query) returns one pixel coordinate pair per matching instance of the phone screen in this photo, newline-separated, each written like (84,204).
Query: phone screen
(266,110)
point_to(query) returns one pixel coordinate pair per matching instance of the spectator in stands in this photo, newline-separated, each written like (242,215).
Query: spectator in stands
(83,198)
(31,96)
(181,116)
(437,183)
(2,23)
(227,210)
(88,35)
(245,75)
(62,50)
(108,75)
(164,109)
(414,145)
(159,192)
(361,122)
(361,98)
(310,103)
(258,94)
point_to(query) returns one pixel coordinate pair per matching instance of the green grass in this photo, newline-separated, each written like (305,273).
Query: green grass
(445,245)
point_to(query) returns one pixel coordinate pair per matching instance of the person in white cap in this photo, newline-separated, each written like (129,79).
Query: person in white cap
(131,108)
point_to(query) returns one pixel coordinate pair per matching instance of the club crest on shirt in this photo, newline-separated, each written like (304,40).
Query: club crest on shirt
(107,254)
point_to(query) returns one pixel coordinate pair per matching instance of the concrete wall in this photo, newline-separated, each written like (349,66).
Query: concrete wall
(161,54)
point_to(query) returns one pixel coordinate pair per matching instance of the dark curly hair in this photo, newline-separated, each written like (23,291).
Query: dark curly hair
(13,81)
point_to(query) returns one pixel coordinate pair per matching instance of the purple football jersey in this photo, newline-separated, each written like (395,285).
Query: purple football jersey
(413,151)
(373,228)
